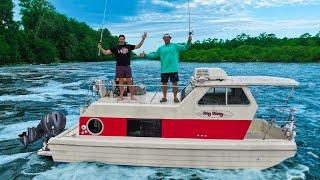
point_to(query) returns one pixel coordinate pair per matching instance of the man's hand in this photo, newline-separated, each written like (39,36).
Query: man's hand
(100,45)
(104,51)
(144,35)
(142,54)
(190,38)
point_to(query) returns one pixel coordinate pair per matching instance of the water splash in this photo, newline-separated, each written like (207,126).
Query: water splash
(9,158)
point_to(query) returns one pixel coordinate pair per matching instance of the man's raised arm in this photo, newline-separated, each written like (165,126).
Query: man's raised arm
(186,46)
(144,36)
(104,51)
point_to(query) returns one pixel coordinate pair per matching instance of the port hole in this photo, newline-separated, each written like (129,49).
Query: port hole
(95,126)
(144,127)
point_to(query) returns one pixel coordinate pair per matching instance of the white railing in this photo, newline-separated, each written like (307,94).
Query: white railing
(111,88)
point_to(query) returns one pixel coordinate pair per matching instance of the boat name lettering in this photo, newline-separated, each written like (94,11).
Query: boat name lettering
(212,113)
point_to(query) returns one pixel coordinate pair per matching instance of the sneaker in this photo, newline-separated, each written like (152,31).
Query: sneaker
(176,100)
(163,100)
(133,98)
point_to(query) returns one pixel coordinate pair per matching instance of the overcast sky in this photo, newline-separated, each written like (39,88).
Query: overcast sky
(209,18)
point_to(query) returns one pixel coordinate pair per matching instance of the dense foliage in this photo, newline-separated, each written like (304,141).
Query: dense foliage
(45,36)
(265,47)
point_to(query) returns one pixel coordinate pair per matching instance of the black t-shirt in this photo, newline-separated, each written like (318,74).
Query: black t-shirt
(123,54)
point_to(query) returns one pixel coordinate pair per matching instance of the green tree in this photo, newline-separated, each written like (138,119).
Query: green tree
(46,52)
(4,51)
(35,12)
(70,40)
(9,31)
(6,14)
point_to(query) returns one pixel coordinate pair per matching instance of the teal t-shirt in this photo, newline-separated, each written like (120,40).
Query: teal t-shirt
(169,56)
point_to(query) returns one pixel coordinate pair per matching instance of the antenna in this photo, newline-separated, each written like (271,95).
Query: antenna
(104,16)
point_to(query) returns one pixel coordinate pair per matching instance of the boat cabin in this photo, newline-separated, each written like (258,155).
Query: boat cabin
(212,106)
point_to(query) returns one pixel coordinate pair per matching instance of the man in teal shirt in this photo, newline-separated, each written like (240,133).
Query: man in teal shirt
(169,57)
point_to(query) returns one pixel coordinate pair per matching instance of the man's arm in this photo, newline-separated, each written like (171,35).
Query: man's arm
(104,51)
(186,46)
(144,36)
(154,55)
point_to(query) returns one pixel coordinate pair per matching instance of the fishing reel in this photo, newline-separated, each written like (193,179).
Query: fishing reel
(289,128)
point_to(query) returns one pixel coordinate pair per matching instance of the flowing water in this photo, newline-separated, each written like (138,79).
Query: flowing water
(29,92)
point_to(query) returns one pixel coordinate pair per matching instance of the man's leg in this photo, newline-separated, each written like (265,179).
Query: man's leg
(121,87)
(164,89)
(120,77)
(174,78)
(164,81)
(131,88)
(128,75)
(175,89)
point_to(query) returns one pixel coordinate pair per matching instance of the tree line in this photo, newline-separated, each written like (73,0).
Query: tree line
(45,36)
(265,47)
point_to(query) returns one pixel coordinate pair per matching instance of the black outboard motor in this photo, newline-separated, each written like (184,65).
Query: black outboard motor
(50,126)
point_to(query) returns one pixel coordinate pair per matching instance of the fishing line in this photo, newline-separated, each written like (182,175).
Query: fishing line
(190,32)
(104,17)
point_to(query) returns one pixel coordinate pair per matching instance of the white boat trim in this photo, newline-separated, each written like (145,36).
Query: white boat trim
(172,152)
(250,81)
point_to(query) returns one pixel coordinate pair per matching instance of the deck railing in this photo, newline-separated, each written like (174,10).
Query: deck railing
(107,88)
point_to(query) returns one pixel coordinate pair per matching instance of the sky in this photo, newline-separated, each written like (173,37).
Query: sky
(222,19)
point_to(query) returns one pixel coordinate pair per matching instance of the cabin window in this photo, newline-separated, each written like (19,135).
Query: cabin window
(237,96)
(214,96)
(144,127)
(186,91)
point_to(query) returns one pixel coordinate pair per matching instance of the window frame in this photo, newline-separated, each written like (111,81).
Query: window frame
(245,93)
(226,97)
(225,91)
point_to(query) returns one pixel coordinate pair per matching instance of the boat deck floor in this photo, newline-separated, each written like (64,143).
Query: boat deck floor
(148,98)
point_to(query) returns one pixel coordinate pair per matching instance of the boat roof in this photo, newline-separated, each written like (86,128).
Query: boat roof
(248,81)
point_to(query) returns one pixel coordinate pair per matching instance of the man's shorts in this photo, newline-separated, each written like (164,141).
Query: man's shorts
(123,72)
(173,77)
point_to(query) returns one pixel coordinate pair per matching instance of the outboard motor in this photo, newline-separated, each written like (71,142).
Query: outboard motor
(50,126)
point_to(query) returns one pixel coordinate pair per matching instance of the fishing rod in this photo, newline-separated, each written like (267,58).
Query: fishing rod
(104,16)
(190,32)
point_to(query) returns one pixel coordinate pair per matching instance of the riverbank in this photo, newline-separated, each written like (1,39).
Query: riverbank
(182,61)
(263,48)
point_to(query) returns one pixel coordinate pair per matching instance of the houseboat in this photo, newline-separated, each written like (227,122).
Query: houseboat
(213,126)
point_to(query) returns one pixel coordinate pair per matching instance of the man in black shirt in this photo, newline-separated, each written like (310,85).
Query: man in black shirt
(122,54)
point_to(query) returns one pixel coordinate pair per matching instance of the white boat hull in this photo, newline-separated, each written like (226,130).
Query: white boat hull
(168,152)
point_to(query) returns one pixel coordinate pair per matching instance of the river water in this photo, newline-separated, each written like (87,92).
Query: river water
(29,92)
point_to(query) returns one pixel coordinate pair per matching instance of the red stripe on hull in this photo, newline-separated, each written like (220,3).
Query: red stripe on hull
(205,129)
(112,126)
(178,128)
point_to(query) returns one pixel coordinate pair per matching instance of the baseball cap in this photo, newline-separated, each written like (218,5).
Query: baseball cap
(166,35)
